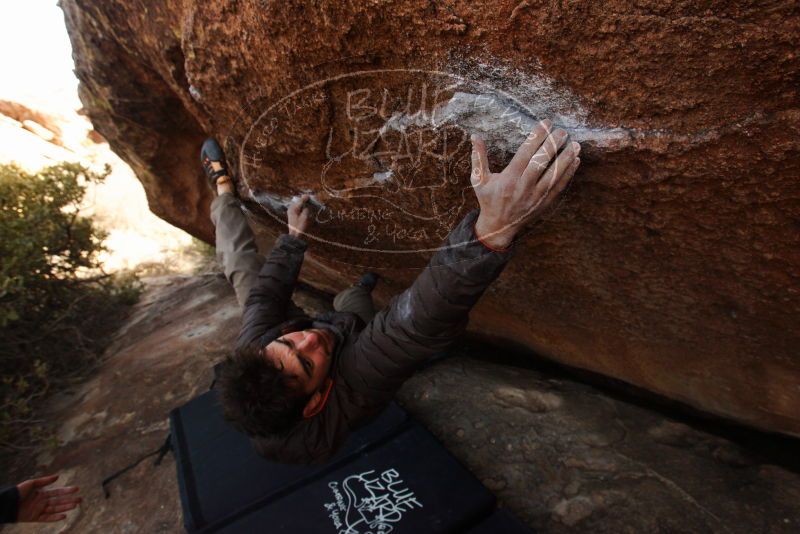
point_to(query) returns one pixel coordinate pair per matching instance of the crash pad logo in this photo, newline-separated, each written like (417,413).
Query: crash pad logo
(370,502)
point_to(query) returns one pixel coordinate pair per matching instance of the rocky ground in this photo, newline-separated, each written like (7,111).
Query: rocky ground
(563,455)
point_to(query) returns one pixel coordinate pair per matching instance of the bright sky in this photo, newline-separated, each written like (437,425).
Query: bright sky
(37,71)
(37,57)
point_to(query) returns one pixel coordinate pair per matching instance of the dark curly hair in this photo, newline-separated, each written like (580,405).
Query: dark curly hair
(255,398)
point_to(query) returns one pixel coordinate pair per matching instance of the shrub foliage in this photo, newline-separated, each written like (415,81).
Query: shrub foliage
(57,307)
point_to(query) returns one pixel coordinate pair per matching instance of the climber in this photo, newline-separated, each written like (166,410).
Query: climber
(297,385)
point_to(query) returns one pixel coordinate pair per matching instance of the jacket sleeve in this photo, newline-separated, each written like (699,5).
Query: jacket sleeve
(267,304)
(427,317)
(9,504)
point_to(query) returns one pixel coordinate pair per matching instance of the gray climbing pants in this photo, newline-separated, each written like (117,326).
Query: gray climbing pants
(241,262)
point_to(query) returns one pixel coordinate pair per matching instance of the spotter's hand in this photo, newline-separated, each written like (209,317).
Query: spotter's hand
(531,181)
(298,216)
(37,504)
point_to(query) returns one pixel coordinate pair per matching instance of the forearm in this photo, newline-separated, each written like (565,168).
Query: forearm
(454,280)
(268,300)
(283,262)
(430,315)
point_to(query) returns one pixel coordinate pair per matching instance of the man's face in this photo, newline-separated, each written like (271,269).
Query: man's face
(304,357)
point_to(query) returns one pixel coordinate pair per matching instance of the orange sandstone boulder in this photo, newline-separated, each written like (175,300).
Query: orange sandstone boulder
(673,261)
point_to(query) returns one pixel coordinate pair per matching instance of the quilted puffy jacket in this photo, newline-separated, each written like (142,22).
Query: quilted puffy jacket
(370,362)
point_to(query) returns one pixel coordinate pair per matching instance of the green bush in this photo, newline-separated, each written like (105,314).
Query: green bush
(57,307)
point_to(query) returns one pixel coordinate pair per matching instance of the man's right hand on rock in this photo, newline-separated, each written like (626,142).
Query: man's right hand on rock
(531,181)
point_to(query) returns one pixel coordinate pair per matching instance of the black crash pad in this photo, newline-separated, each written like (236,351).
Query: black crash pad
(391,475)
(410,484)
(219,473)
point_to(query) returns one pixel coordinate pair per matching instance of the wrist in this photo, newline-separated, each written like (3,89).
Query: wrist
(295,230)
(498,240)
(292,243)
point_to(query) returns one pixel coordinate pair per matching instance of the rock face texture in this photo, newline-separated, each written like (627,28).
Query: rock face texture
(672,263)
(562,456)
